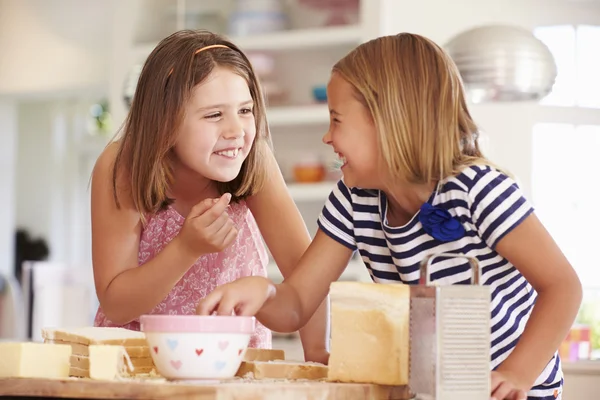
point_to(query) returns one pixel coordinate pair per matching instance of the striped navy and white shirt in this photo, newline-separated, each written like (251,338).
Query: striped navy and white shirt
(489,204)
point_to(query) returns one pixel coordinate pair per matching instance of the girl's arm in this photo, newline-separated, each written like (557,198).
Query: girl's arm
(531,249)
(288,306)
(126,291)
(295,300)
(285,233)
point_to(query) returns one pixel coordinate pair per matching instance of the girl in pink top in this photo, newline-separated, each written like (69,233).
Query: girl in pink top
(182,201)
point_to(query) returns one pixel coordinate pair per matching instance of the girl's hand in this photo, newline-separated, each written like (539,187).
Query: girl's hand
(504,388)
(245,296)
(208,228)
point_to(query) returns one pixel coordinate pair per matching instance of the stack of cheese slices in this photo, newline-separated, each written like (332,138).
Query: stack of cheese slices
(84,339)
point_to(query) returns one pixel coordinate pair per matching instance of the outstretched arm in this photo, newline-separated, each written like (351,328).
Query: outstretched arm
(285,233)
(288,306)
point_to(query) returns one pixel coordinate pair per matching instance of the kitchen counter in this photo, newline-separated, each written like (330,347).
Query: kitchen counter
(238,389)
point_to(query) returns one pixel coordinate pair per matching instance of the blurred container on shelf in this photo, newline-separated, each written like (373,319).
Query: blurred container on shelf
(309,169)
(250,17)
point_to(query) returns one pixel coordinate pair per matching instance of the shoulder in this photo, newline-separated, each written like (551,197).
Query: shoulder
(107,179)
(353,195)
(475,179)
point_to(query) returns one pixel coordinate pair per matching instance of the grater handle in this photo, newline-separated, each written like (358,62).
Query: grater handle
(424,278)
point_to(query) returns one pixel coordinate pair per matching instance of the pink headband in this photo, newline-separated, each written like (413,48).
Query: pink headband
(212,46)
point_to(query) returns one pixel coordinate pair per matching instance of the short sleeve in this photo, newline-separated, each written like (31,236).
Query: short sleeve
(336,219)
(497,205)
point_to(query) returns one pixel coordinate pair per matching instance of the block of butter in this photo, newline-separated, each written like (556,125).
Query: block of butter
(109,362)
(34,360)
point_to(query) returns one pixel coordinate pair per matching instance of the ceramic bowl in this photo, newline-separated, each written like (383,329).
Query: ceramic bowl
(194,347)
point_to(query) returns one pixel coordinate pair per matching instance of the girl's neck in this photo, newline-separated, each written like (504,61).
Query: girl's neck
(405,200)
(188,189)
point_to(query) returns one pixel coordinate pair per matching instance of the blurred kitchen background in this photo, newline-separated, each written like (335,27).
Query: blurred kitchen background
(69,67)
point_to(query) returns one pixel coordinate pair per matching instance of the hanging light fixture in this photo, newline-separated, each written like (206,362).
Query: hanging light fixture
(503,63)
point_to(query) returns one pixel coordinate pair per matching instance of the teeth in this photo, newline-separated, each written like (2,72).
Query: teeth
(228,153)
(339,162)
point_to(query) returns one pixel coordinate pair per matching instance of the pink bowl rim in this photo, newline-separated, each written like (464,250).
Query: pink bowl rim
(197,324)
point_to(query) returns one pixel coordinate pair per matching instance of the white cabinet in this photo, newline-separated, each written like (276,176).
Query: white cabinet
(303,56)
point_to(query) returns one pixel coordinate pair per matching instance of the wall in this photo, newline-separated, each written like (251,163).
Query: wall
(64,40)
(8,164)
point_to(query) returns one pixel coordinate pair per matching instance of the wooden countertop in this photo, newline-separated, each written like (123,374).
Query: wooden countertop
(75,388)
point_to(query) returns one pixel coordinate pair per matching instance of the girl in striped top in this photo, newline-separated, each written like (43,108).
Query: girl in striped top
(415,183)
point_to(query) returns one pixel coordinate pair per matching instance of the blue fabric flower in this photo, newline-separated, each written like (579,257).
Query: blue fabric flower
(439,223)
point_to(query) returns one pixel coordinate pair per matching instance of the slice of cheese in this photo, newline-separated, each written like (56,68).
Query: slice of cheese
(369,333)
(280,369)
(96,335)
(253,354)
(34,360)
(108,362)
(82,349)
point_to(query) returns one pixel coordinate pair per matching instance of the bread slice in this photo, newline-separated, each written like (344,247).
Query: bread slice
(369,333)
(83,350)
(281,369)
(252,354)
(96,335)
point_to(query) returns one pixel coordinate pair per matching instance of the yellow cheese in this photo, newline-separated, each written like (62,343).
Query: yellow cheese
(82,349)
(108,362)
(369,333)
(34,360)
(96,335)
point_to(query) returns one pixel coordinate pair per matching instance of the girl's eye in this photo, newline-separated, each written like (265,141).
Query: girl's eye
(246,111)
(213,116)
(336,120)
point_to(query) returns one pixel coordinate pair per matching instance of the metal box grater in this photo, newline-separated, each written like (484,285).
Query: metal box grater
(450,337)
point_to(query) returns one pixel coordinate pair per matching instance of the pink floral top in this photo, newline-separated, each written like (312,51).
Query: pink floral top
(247,256)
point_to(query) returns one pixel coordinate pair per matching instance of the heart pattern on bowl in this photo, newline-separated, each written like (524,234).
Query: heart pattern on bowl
(172,343)
(176,364)
(223,345)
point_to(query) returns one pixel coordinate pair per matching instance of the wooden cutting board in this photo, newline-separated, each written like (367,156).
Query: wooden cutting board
(75,388)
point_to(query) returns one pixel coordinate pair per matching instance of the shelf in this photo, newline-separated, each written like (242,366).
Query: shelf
(311,191)
(301,39)
(298,115)
(295,39)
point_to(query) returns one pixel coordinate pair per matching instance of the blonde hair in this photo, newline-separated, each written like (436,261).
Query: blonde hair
(414,93)
(150,130)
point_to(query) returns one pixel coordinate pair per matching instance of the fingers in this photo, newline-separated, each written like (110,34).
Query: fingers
(201,208)
(210,209)
(216,210)
(209,304)
(227,305)
(519,395)
(502,391)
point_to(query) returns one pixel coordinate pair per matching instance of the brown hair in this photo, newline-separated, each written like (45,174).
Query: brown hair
(414,93)
(150,130)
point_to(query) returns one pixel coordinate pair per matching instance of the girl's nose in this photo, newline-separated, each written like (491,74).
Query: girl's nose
(234,129)
(327,138)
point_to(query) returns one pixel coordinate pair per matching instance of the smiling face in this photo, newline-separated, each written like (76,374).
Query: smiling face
(218,128)
(353,135)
